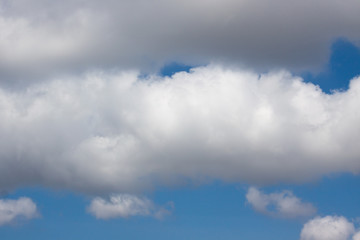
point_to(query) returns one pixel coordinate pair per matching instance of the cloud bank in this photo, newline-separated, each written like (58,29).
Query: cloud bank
(328,228)
(105,133)
(41,37)
(10,210)
(285,204)
(123,206)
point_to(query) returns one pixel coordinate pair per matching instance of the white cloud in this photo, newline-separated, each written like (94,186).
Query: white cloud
(356,236)
(10,210)
(123,206)
(104,133)
(284,204)
(328,228)
(41,36)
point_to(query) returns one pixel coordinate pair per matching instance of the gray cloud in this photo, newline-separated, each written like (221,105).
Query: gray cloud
(11,209)
(285,204)
(41,37)
(104,133)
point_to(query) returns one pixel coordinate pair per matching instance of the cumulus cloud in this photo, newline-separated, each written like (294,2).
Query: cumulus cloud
(284,204)
(10,210)
(125,205)
(42,36)
(104,133)
(328,228)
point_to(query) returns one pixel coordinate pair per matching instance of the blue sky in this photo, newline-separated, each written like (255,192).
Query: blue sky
(342,66)
(187,123)
(213,211)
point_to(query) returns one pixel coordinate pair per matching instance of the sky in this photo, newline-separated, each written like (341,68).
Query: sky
(180,119)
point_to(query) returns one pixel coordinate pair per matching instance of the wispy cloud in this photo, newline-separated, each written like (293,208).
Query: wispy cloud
(125,205)
(283,204)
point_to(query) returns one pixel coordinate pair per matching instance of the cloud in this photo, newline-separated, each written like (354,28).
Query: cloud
(115,132)
(10,210)
(356,236)
(123,206)
(284,204)
(43,37)
(328,228)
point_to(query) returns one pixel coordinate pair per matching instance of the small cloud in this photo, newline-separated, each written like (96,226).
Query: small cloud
(284,204)
(328,228)
(10,210)
(126,205)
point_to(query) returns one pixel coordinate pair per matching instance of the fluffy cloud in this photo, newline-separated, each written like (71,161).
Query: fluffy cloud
(41,36)
(125,205)
(11,210)
(104,133)
(285,204)
(328,228)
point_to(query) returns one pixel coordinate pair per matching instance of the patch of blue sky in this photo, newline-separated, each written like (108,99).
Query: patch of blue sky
(173,67)
(343,65)
(212,211)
